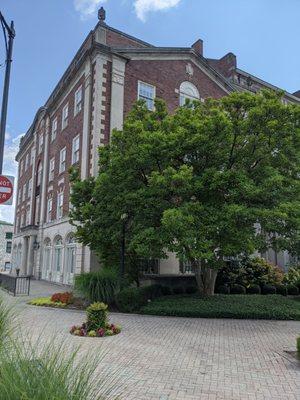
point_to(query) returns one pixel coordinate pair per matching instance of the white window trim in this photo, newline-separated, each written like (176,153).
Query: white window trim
(49,209)
(154,92)
(62,162)
(65,121)
(54,131)
(51,171)
(77,110)
(77,150)
(60,207)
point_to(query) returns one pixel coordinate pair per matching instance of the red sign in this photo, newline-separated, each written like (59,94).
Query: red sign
(6,189)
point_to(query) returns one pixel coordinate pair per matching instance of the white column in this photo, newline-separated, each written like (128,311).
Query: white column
(30,255)
(117,93)
(85,150)
(24,256)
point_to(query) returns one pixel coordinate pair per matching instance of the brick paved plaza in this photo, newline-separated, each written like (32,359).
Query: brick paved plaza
(163,358)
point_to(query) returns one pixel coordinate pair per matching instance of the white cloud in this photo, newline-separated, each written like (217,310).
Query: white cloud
(87,8)
(10,167)
(143,7)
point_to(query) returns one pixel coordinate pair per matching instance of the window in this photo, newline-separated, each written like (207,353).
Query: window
(8,235)
(24,192)
(78,101)
(51,169)
(39,175)
(41,143)
(58,254)
(62,160)
(147,93)
(27,216)
(26,161)
(23,218)
(37,209)
(54,129)
(65,116)
(30,187)
(75,150)
(188,91)
(32,156)
(21,166)
(60,202)
(20,195)
(49,210)
(8,247)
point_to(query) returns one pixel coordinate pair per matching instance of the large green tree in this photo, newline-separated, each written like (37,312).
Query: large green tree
(214,180)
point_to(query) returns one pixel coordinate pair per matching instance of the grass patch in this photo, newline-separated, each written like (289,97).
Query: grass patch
(226,306)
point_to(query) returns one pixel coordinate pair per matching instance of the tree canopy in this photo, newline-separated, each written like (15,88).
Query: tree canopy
(214,180)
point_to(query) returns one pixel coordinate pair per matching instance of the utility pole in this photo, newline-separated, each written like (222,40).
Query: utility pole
(10,32)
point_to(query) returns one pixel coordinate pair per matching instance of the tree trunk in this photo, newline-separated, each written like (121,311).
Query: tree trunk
(206,278)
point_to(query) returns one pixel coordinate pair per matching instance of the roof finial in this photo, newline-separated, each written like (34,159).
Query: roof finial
(101,14)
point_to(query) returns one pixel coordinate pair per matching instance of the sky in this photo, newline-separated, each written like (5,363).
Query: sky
(264,35)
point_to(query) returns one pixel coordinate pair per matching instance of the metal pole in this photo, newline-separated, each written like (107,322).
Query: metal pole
(11,35)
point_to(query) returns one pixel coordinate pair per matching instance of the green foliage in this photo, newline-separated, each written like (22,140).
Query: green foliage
(166,291)
(223,289)
(97,316)
(292,277)
(191,289)
(281,289)
(133,299)
(253,289)
(226,306)
(250,271)
(98,286)
(207,174)
(237,289)
(268,289)
(292,290)
(298,344)
(46,302)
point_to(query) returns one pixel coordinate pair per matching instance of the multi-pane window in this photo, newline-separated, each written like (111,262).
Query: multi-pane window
(65,116)
(27,217)
(49,210)
(26,161)
(51,169)
(60,202)
(54,129)
(62,160)
(146,92)
(39,175)
(8,247)
(30,187)
(31,155)
(188,92)
(75,150)
(21,166)
(24,192)
(41,143)
(8,235)
(20,195)
(78,101)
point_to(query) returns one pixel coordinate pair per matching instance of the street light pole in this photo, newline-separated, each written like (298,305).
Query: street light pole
(9,48)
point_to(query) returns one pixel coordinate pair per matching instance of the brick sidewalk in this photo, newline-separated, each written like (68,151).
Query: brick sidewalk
(165,358)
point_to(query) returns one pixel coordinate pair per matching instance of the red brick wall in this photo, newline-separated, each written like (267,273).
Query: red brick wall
(116,39)
(63,139)
(166,76)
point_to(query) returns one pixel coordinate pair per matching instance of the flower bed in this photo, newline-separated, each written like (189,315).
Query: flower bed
(47,302)
(60,300)
(97,324)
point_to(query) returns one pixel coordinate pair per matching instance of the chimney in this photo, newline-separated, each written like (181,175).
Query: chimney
(198,47)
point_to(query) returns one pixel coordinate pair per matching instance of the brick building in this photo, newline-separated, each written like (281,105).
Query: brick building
(6,235)
(110,71)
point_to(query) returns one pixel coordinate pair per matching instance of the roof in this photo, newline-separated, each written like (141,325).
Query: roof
(6,223)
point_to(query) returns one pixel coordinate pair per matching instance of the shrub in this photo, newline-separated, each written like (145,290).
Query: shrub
(133,299)
(96,316)
(250,271)
(237,289)
(298,344)
(281,289)
(166,291)
(253,289)
(98,286)
(223,289)
(292,290)
(191,289)
(178,290)
(66,298)
(46,302)
(292,277)
(268,289)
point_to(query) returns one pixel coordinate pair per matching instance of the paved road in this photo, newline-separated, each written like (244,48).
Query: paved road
(162,358)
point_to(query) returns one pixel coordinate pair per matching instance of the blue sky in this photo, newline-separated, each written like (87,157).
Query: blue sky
(264,35)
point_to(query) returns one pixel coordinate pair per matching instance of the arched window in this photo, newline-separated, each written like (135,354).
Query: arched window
(70,259)
(47,259)
(188,91)
(58,249)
